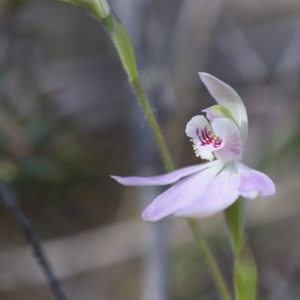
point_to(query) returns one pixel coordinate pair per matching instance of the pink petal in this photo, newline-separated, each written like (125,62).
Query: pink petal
(226,96)
(164,179)
(221,192)
(181,194)
(199,129)
(195,125)
(254,184)
(228,132)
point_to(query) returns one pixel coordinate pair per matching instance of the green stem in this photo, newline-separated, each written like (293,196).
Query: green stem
(234,220)
(214,270)
(148,112)
(245,271)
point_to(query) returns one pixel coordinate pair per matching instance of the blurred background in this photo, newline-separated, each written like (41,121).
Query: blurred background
(68,119)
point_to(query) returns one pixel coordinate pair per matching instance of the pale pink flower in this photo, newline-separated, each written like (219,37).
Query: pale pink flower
(205,189)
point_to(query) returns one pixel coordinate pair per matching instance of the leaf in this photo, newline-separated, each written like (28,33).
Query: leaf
(245,275)
(234,221)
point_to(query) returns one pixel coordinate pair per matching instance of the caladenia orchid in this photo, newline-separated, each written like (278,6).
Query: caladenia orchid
(206,189)
(230,107)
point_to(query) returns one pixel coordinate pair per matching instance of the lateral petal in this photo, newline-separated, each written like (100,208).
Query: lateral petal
(228,132)
(195,125)
(205,142)
(181,194)
(164,179)
(221,192)
(226,96)
(253,183)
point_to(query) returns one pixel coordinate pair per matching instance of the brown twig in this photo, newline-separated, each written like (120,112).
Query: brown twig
(10,203)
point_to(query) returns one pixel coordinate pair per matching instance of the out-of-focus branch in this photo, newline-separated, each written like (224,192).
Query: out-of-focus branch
(10,203)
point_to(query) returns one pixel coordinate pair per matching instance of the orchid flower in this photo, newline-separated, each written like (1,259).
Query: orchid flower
(205,189)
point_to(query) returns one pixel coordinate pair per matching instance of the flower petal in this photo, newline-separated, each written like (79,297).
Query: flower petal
(228,97)
(164,179)
(228,132)
(221,192)
(254,184)
(181,194)
(195,125)
(199,129)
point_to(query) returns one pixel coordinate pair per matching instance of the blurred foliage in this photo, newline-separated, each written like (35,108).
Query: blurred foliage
(13,4)
(58,171)
(46,153)
(190,276)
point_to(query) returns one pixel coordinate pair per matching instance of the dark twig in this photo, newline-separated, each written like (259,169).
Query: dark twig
(33,238)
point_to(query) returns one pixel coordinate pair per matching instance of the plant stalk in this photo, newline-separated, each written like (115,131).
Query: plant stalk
(210,261)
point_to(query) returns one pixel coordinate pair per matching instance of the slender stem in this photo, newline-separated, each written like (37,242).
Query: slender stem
(214,270)
(234,220)
(148,112)
(33,238)
(245,270)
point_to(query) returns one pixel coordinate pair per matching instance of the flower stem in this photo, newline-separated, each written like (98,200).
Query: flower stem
(211,263)
(148,112)
(245,271)
(234,220)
